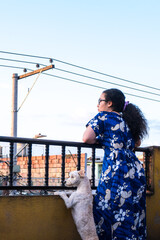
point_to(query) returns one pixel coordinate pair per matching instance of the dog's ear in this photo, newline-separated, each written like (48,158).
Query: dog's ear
(81,173)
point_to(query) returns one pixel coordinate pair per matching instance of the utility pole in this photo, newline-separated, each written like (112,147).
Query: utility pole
(15,79)
(14,111)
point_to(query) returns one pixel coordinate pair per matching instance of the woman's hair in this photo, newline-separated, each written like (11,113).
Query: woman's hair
(132,115)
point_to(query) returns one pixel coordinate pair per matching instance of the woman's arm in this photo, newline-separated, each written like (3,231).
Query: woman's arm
(89,136)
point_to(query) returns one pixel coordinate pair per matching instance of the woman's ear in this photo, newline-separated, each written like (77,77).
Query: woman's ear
(109,103)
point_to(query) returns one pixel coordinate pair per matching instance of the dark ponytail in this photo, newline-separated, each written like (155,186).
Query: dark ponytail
(132,115)
(136,121)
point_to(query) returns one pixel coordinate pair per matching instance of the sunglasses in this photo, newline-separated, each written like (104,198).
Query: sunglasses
(100,100)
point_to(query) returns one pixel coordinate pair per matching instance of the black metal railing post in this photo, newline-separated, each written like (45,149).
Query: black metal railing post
(93,167)
(149,170)
(29,164)
(79,158)
(11,164)
(63,166)
(46,164)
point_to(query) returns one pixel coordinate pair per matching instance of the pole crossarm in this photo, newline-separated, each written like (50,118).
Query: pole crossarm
(36,71)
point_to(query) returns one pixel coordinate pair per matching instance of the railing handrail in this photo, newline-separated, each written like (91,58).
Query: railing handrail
(57,142)
(47,142)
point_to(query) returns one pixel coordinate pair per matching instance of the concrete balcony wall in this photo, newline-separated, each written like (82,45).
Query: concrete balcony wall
(153,201)
(36,218)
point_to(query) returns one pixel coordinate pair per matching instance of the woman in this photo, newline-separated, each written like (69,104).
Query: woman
(119,203)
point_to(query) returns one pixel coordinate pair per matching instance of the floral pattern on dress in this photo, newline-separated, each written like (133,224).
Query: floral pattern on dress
(119,206)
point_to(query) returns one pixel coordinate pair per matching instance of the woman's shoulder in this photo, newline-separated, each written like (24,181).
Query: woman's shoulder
(102,115)
(106,115)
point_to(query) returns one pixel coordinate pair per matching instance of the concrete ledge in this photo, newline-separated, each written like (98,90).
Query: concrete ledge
(37,218)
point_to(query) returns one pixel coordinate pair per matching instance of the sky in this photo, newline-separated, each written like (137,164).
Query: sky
(118,38)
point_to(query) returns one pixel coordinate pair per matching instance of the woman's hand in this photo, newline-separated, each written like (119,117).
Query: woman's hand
(89,136)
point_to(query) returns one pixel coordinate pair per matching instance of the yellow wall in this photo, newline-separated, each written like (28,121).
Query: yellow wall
(153,201)
(36,218)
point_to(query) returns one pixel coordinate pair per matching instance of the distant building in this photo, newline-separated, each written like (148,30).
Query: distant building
(98,168)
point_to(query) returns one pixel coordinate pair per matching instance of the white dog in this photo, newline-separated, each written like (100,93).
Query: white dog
(80,203)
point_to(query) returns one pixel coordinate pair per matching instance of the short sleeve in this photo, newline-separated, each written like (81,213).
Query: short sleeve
(97,124)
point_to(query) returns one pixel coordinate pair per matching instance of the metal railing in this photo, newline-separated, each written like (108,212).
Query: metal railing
(63,144)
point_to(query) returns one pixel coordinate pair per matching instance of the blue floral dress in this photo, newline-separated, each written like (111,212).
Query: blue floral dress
(119,206)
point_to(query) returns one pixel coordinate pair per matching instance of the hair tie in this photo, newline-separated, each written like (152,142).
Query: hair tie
(125,105)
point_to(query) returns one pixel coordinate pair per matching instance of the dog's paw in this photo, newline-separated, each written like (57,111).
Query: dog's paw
(57,193)
(61,194)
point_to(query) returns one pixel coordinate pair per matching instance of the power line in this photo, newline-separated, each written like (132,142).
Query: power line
(87,84)
(100,80)
(87,69)
(14,60)
(12,67)
(82,75)
(24,55)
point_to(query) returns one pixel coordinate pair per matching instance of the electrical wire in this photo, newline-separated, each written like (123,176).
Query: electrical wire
(11,66)
(91,85)
(87,84)
(100,80)
(87,69)
(14,60)
(82,75)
